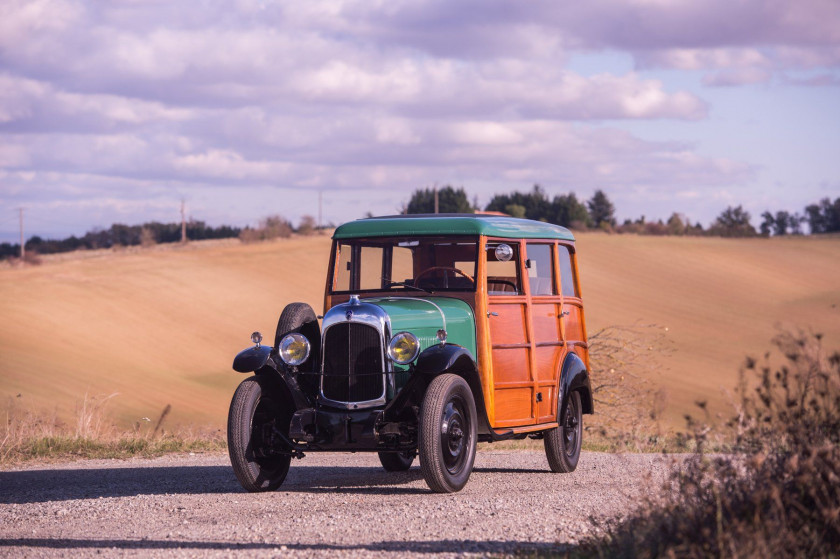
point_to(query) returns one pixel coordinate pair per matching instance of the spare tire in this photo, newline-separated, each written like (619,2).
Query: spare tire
(299,317)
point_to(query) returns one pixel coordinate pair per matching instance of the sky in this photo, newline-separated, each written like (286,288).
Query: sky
(116,111)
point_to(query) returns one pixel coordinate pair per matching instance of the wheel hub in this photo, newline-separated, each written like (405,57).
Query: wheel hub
(453,437)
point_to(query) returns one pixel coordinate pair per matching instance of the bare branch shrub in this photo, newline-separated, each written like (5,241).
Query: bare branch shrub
(777,494)
(628,407)
(307,225)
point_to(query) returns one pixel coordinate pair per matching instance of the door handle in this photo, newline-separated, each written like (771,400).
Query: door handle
(564,313)
(489,314)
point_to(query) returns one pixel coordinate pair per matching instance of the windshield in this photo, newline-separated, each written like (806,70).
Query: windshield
(427,264)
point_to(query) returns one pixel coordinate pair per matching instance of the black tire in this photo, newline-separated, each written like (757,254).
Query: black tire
(562,444)
(397,461)
(447,434)
(253,410)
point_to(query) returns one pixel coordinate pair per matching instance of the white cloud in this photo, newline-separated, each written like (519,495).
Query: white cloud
(392,95)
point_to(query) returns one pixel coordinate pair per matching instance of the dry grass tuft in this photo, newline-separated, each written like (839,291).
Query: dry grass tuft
(26,435)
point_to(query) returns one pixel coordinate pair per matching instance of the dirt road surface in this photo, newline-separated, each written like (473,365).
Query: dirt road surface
(336,505)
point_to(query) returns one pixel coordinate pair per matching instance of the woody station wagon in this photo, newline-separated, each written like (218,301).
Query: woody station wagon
(439,331)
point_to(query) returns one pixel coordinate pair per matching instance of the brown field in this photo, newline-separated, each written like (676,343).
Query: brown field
(161,326)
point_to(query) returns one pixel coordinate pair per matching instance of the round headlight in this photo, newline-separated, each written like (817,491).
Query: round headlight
(294,349)
(403,348)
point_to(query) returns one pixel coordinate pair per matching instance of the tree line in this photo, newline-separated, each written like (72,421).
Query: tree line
(599,213)
(119,234)
(152,233)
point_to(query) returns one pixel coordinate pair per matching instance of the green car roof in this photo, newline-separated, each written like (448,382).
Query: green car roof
(452,224)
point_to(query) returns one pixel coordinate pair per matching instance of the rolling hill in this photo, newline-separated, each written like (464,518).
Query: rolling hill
(161,326)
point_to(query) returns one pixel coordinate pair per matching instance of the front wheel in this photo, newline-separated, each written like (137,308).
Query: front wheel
(447,434)
(562,444)
(255,413)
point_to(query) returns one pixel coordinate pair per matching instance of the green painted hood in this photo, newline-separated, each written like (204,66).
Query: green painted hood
(424,316)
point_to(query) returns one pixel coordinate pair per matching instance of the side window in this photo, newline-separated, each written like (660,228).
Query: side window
(370,276)
(343,268)
(539,267)
(503,269)
(402,264)
(567,279)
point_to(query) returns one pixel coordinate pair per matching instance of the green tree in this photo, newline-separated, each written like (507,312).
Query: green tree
(515,210)
(823,217)
(677,225)
(733,222)
(601,210)
(567,211)
(536,203)
(450,201)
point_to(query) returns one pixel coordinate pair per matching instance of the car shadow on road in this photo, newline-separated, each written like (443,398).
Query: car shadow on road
(482,547)
(36,486)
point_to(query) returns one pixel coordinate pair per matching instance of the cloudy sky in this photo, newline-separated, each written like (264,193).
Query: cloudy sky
(115,111)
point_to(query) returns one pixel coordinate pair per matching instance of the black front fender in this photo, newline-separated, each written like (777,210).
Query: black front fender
(260,360)
(442,358)
(575,378)
(251,359)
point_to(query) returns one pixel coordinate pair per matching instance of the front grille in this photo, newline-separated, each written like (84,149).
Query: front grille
(352,353)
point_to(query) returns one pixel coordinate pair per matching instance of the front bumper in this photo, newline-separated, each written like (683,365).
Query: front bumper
(324,429)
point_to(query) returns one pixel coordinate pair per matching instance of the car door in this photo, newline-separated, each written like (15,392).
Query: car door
(546,307)
(510,334)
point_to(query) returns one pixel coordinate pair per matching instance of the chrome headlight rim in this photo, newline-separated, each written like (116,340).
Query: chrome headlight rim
(397,338)
(285,349)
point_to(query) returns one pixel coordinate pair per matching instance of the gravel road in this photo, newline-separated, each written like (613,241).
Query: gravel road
(342,505)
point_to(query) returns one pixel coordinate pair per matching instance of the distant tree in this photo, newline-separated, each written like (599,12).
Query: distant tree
(307,225)
(782,223)
(601,210)
(567,211)
(768,224)
(536,203)
(733,222)
(677,224)
(823,217)
(450,200)
(515,210)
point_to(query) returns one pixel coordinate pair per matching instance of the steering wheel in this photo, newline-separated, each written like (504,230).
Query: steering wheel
(445,276)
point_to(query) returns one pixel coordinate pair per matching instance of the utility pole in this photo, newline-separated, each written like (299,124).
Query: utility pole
(183,222)
(320,207)
(22,246)
(437,206)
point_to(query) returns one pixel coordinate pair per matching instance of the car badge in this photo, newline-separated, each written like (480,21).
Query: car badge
(349,315)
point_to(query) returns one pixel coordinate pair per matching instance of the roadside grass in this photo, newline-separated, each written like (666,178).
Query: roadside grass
(26,435)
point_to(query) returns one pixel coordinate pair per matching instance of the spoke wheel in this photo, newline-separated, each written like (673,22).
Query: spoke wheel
(255,414)
(447,434)
(562,444)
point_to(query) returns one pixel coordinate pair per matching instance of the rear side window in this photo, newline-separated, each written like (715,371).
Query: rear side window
(503,269)
(539,267)
(567,279)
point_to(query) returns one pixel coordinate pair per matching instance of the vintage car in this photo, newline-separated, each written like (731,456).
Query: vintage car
(439,331)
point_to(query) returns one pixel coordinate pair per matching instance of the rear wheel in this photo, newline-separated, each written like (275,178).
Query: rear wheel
(447,434)
(396,461)
(255,413)
(562,444)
